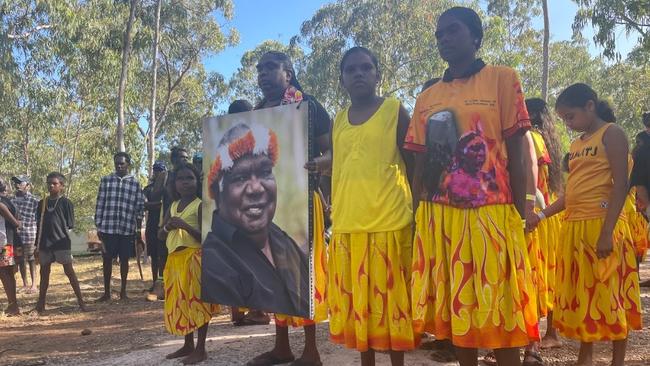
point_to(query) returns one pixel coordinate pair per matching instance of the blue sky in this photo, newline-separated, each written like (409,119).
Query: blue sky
(257,21)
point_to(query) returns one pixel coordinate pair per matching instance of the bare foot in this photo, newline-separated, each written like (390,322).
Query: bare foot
(549,342)
(182,352)
(195,357)
(104,298)
(12,310)
(32,290)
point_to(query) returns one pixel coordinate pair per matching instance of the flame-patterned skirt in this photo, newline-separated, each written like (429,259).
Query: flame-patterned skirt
(593,302)
(184,310)
(319,271)
(368,290)
(548,231)
(471,277)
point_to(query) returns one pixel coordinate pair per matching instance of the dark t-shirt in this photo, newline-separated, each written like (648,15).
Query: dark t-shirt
(153,214)
(236,272)
(321,121)
(58,219)
(641,170)
(11,230)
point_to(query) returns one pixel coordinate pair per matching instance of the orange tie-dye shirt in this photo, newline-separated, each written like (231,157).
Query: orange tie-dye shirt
(486,108)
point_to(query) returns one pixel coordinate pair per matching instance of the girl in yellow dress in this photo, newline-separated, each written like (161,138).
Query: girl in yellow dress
(185,313)
(597,288)
(470,271)
(370,252)
(550,184)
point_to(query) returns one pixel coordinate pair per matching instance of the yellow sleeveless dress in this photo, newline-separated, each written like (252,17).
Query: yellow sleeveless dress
(370,252)
(184,310)
(595,299)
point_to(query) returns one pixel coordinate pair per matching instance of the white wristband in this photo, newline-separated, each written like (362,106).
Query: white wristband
(541,215)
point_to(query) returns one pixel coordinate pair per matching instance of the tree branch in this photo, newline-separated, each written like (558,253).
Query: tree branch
(28,34)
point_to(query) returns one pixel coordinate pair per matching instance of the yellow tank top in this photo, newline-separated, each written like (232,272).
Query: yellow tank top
(370,190)
(179,237)
(590,178)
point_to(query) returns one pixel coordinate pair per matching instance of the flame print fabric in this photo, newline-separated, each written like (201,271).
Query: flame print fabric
(637,224)
(184,310)
(368,290)
(586,308)
(471,278)
(320,274)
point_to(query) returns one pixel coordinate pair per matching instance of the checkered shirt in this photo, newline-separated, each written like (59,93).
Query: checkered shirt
(120,203)
(26,207)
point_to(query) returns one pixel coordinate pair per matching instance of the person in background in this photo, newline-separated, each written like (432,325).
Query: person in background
(9,242)
(118,217)
(26,203)
(55,215)
(153,194)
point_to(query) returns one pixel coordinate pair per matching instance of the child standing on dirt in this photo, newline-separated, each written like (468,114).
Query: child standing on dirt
(181,230)
(597,296)
(55,217)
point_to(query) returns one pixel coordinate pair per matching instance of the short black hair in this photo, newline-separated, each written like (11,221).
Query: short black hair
(175,152)
(429,83)
(240,105)
(354,49)
(184,166)
(470,18)
(57,175)
(122,154)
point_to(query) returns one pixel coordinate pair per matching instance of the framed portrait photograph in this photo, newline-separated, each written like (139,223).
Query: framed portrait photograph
(256,211)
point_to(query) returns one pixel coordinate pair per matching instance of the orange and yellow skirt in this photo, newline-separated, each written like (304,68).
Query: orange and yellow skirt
(471,277)
(184,310)
(542,246)
(319,271)
(639,231)
(593,303)
(368,290)
(537,270)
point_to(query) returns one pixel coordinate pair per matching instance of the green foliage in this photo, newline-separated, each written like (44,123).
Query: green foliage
(59,66)
(607,15)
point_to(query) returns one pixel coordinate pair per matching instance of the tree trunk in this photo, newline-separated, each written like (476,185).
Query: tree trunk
(73,160)
(151,143)
(26,154)
(126,53)
(545,50)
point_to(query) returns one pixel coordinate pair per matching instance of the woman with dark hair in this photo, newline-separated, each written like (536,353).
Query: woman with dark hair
(550,184)
(471,273)
(277,80)
(597,288)
(370,254)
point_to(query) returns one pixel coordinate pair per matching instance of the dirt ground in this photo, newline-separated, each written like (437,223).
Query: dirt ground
(131,332)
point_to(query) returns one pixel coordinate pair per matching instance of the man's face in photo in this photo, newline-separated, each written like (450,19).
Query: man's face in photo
(249,194)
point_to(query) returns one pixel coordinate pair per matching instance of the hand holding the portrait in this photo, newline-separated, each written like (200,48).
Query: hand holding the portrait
(175,223)
(320,165)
